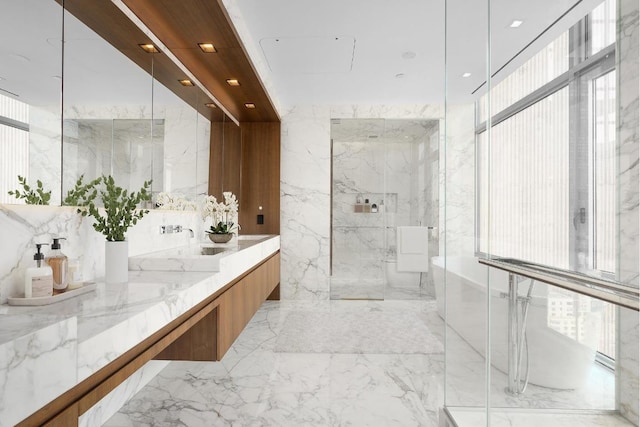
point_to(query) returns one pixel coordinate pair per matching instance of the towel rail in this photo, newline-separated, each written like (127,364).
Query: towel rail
(605,290)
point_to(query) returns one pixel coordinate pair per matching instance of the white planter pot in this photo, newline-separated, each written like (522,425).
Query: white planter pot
(116,262)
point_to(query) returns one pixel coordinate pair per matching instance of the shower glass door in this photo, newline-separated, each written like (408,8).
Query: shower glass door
(384,176)
(357,227)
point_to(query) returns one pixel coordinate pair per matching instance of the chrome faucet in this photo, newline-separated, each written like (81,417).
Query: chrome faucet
(170,229)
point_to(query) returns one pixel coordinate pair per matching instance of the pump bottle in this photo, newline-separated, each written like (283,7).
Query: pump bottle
(38,280)
(58,262)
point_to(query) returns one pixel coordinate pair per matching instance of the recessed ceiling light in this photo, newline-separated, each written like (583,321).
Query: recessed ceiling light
(210,105)
(233,82)
(250,105)
(186,82)
(466,75)
(148,47)
(207,47)
(516,23)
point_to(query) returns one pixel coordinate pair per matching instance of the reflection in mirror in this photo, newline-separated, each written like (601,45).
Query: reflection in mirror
(225,158)
(108,122)
(30,85)
(183,171)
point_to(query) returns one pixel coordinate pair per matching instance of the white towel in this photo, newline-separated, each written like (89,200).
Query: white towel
(412,249)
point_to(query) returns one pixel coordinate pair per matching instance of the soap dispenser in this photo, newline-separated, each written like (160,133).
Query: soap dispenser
(58,262)
(38,280)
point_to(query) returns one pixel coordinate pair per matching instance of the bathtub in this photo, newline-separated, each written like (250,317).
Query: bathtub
(556,361)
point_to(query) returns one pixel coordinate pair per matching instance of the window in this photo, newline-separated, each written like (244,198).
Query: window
(14,146)
(546,171)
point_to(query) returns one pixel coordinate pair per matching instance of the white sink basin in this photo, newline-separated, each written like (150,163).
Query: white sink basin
(186,258)
(196,257)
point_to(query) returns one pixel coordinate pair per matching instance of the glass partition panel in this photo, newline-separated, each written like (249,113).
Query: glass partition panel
(357,227)
(460,281)
(30,88)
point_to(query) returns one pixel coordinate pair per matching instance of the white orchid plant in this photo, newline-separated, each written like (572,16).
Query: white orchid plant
(175,202)
(224,214)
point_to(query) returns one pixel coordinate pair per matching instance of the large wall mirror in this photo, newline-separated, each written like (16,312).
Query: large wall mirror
(79,101)
(30,89)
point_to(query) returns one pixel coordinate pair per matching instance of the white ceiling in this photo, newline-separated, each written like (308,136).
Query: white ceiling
(95,73)
(384,30)
(362,68)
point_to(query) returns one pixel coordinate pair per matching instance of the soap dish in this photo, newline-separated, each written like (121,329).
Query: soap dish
(87,287)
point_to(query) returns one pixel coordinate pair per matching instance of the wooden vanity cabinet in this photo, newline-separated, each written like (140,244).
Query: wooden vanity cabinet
(204,333)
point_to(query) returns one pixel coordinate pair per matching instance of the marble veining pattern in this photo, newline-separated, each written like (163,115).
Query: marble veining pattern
(628,66)
(98,414)
(94,329)
(36,367)
(27,225)
(256,383)
(306,184)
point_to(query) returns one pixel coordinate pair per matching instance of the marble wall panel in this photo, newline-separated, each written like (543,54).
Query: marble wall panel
(306,184)
(24,226)
(628,56)
(458,182)
(44,151)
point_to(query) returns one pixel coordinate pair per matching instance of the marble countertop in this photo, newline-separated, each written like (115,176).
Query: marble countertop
(46,350)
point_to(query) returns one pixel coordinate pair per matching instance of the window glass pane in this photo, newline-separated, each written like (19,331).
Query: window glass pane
(528,176)
(14,110)
(604,174)
(602,28)
(14,160)
(586,320)
(542,68)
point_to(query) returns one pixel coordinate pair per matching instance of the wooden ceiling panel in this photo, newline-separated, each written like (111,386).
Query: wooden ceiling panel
(103,17)
(181,25)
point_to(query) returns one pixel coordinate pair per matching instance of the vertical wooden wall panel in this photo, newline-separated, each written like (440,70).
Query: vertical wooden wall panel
(239,304)
(260,177)
(225,159)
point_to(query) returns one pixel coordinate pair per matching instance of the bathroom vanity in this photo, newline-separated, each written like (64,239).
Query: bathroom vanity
(57,361)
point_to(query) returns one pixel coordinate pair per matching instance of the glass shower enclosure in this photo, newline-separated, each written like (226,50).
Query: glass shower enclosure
(384,178)
(538,285)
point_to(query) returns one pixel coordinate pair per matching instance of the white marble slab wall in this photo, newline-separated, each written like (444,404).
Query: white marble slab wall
(24,226)
(358,238)
(629,217)
(305,206)
(184,165)
(186,153)
(458,182)
(44,150)
(306,183)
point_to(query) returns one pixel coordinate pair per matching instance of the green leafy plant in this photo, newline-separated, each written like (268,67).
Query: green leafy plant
(222,228)
(82,193)
(31,196)
(120,208)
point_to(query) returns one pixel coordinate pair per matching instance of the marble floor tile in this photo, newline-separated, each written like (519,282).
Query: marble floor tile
(265,381)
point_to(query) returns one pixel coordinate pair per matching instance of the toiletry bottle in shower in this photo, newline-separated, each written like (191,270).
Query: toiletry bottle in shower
(38,280)
(58,262)
(367,206)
